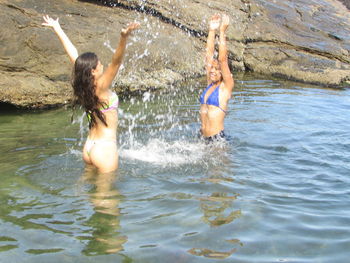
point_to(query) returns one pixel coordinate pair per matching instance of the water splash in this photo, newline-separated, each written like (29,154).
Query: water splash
(157,127)
(165,154)
(83,129)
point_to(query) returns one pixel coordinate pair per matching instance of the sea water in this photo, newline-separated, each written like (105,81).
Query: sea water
(278,190)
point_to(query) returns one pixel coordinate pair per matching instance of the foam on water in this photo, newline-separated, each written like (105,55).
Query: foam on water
(163,153)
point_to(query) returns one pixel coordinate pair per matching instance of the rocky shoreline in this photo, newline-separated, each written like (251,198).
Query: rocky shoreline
(307,41)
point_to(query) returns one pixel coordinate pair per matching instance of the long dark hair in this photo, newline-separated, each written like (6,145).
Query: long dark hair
(85,89)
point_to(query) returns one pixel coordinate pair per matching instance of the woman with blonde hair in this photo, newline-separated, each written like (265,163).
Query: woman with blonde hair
(215,97)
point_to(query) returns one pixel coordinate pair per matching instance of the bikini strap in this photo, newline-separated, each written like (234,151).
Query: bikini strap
(222,109)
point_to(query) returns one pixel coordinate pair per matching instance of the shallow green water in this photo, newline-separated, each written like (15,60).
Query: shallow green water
(277,191)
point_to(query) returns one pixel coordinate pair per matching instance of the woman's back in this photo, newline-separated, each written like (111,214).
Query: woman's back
(110,112)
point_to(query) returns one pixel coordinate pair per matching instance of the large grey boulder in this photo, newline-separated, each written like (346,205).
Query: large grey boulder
(303,40)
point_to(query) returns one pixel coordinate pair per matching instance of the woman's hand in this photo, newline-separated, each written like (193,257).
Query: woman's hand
(50,22)
(131,27)
(225,21)
(67,44)
(214,22)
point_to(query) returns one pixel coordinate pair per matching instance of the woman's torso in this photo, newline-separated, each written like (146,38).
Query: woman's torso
(213,109)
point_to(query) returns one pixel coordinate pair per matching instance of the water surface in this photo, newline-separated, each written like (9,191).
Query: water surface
(277,191)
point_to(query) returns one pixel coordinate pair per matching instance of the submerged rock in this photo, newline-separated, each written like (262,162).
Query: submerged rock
(302,40)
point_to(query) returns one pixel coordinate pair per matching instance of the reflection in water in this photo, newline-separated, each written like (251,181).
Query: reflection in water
(214,207)
(211,253)
(105,222)
(217,208)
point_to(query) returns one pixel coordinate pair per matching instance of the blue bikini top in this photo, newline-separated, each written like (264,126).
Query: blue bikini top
(213,98)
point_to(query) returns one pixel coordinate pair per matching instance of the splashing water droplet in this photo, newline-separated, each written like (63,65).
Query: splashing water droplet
(146,96)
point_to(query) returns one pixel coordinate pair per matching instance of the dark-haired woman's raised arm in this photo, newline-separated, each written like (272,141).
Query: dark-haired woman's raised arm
(67,44)
(117,59)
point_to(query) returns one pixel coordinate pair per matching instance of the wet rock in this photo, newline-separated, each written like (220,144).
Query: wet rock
(301,40)
(304,40)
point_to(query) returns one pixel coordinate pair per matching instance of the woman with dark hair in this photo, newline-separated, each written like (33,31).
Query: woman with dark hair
(92,91)
(215,97)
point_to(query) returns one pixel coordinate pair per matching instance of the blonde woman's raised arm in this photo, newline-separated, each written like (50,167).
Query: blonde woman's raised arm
(223,57)
(214,24)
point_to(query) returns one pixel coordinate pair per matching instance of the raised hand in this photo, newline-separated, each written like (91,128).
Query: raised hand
(67,44)
(225,21)
(131,27)
(214,22)
(50,22)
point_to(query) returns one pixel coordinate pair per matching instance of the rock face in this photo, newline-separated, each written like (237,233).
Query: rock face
(305,40)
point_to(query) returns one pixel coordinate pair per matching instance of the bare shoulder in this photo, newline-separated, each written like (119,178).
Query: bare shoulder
(226,90)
